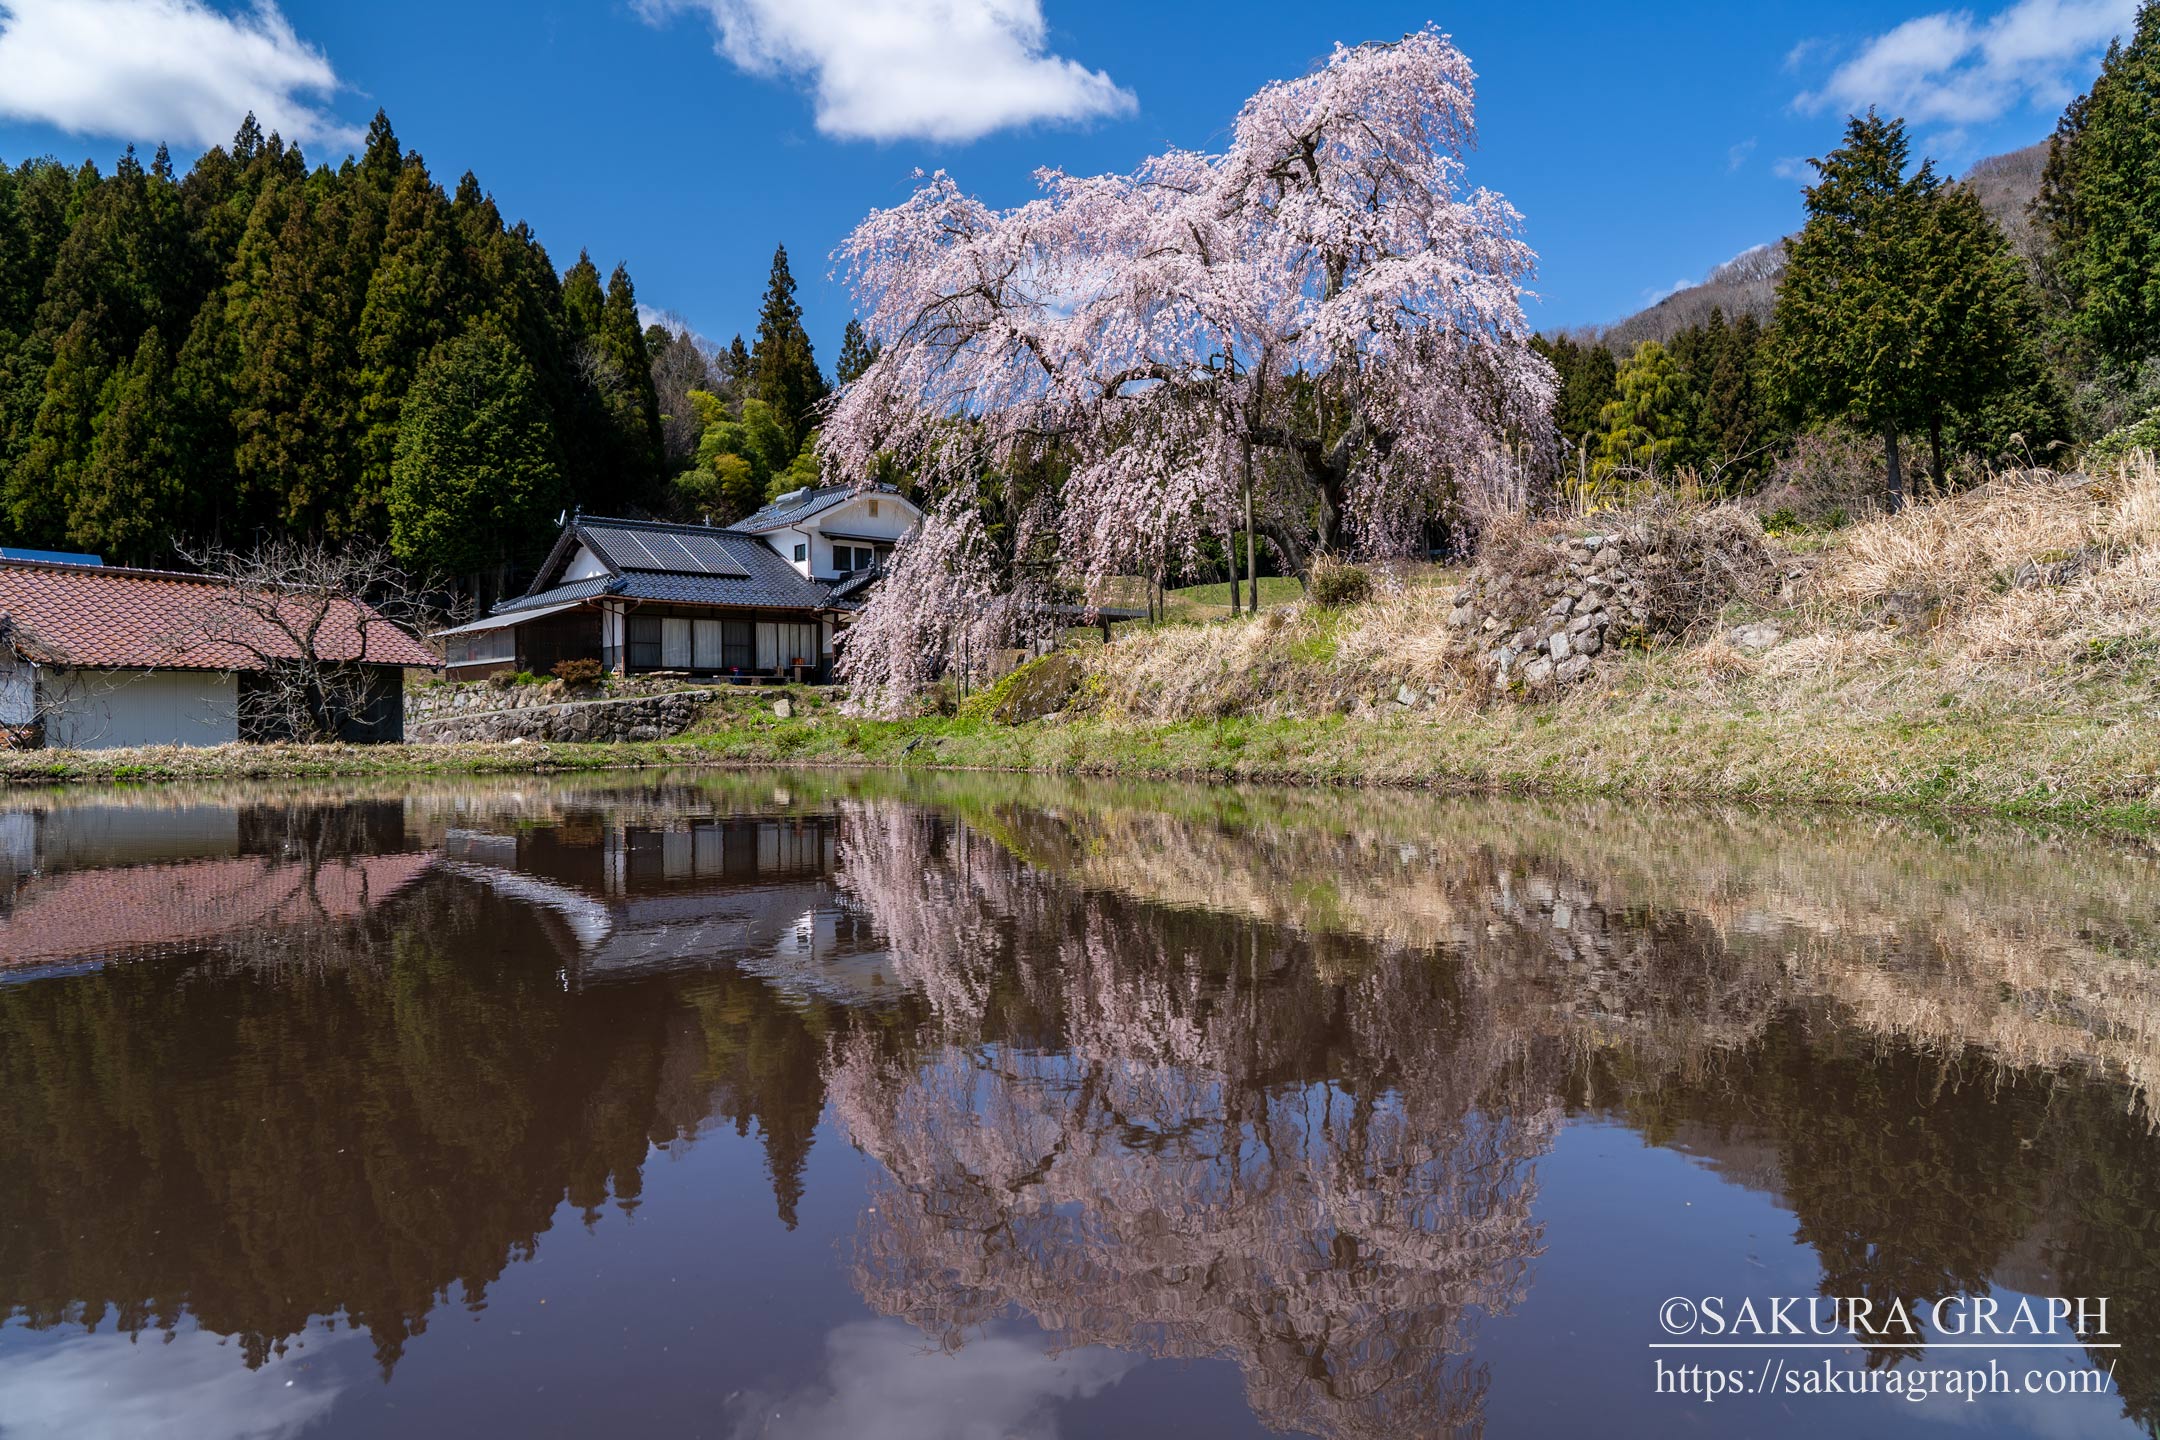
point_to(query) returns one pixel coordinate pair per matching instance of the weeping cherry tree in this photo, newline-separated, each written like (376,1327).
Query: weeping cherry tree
(1328,295)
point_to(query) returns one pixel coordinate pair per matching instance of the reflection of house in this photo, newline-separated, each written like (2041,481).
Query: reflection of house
(139,910)
(95,656)
(756,599)
(756,892)
(83,883)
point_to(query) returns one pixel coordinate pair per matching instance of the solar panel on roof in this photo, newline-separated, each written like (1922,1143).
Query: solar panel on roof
(667,552)
(627,550)
(658,550)
(710,555)
(50,557)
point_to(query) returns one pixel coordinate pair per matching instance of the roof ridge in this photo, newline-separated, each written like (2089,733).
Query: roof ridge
(615,522)
(135,571)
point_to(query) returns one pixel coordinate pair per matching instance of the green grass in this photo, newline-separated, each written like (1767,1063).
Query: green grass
(1195,603)
(2057,768)
(1210,602)
(2063,767)
(2097,765)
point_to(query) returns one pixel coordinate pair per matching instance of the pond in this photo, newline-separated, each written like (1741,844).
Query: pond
(908,1106)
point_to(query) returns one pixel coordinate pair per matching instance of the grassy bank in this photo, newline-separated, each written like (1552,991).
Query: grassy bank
(302,762)
(2059,767)
(2064,766)
(1996,652)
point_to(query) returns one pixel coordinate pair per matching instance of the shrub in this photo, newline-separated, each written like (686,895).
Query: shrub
(2119,444)
(1335,584)
(580,674)
(1831,472)
(1690,562)
(941,698)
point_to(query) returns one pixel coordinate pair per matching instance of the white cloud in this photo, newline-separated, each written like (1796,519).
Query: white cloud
(891,69)
(1738,154)
(113,1387)
(1950,67)
(673,321)
(1793,167)
(882,1378)
(157,70)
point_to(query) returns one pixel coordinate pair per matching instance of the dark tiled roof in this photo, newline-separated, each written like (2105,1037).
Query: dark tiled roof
(856,587)
(575,590)
(785,591)
(717,567)
(108,616)
(785,512)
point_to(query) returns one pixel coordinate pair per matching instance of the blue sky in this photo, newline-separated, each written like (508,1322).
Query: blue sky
(1643,143)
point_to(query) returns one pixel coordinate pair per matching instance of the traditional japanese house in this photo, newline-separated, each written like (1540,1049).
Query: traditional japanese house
(761,599)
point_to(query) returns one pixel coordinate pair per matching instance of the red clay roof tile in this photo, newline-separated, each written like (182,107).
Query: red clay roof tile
(105,616)
(141,909)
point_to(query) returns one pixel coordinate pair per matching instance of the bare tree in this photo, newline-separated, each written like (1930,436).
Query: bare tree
(42,698)
(308,623)
(678,367)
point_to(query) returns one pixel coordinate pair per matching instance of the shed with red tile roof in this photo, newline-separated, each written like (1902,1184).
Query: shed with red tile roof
(98,656)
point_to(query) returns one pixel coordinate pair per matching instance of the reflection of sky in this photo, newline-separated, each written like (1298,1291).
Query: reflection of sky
(1699,1228)
(884,1381)
(91,1387)
(2043,1417)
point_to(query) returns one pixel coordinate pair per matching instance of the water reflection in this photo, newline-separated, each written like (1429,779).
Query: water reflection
(1265,1080)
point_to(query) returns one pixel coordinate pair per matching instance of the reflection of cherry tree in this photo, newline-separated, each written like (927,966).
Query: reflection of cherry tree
(944,898)
(1205,1150)
(1229,1089)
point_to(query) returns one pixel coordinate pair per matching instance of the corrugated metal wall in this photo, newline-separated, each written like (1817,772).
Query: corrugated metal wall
(104,709)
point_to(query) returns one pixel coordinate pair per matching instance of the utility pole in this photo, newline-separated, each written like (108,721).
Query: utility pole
(1252,567)
(1229,560)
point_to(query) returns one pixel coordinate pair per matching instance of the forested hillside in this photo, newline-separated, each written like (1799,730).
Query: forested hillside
(1747,283)
(352,352)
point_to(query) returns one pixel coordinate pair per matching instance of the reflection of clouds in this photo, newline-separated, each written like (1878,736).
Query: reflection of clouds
(93,1386)
(2042,1417)
(882,1383)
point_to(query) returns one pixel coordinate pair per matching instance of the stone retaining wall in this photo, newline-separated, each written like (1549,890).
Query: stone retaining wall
(1536,614)
(644,717)
(480,697)
(1543,630)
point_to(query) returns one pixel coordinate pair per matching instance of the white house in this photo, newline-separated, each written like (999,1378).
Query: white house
(833,532)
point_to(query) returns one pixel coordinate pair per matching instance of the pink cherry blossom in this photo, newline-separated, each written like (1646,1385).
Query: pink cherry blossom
(1328,296)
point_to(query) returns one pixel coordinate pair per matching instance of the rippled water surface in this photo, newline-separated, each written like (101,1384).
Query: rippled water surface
(871,1106)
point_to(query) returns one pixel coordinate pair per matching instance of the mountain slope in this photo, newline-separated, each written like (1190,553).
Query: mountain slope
(1747,283)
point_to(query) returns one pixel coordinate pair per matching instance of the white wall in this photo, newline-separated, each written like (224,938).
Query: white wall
(894,518)
(102,709)
(784,542)
(18,692)
(583,566)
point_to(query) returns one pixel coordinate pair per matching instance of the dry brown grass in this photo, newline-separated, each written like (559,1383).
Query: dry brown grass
(1910,654)
(1697,559)
(2033,580)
